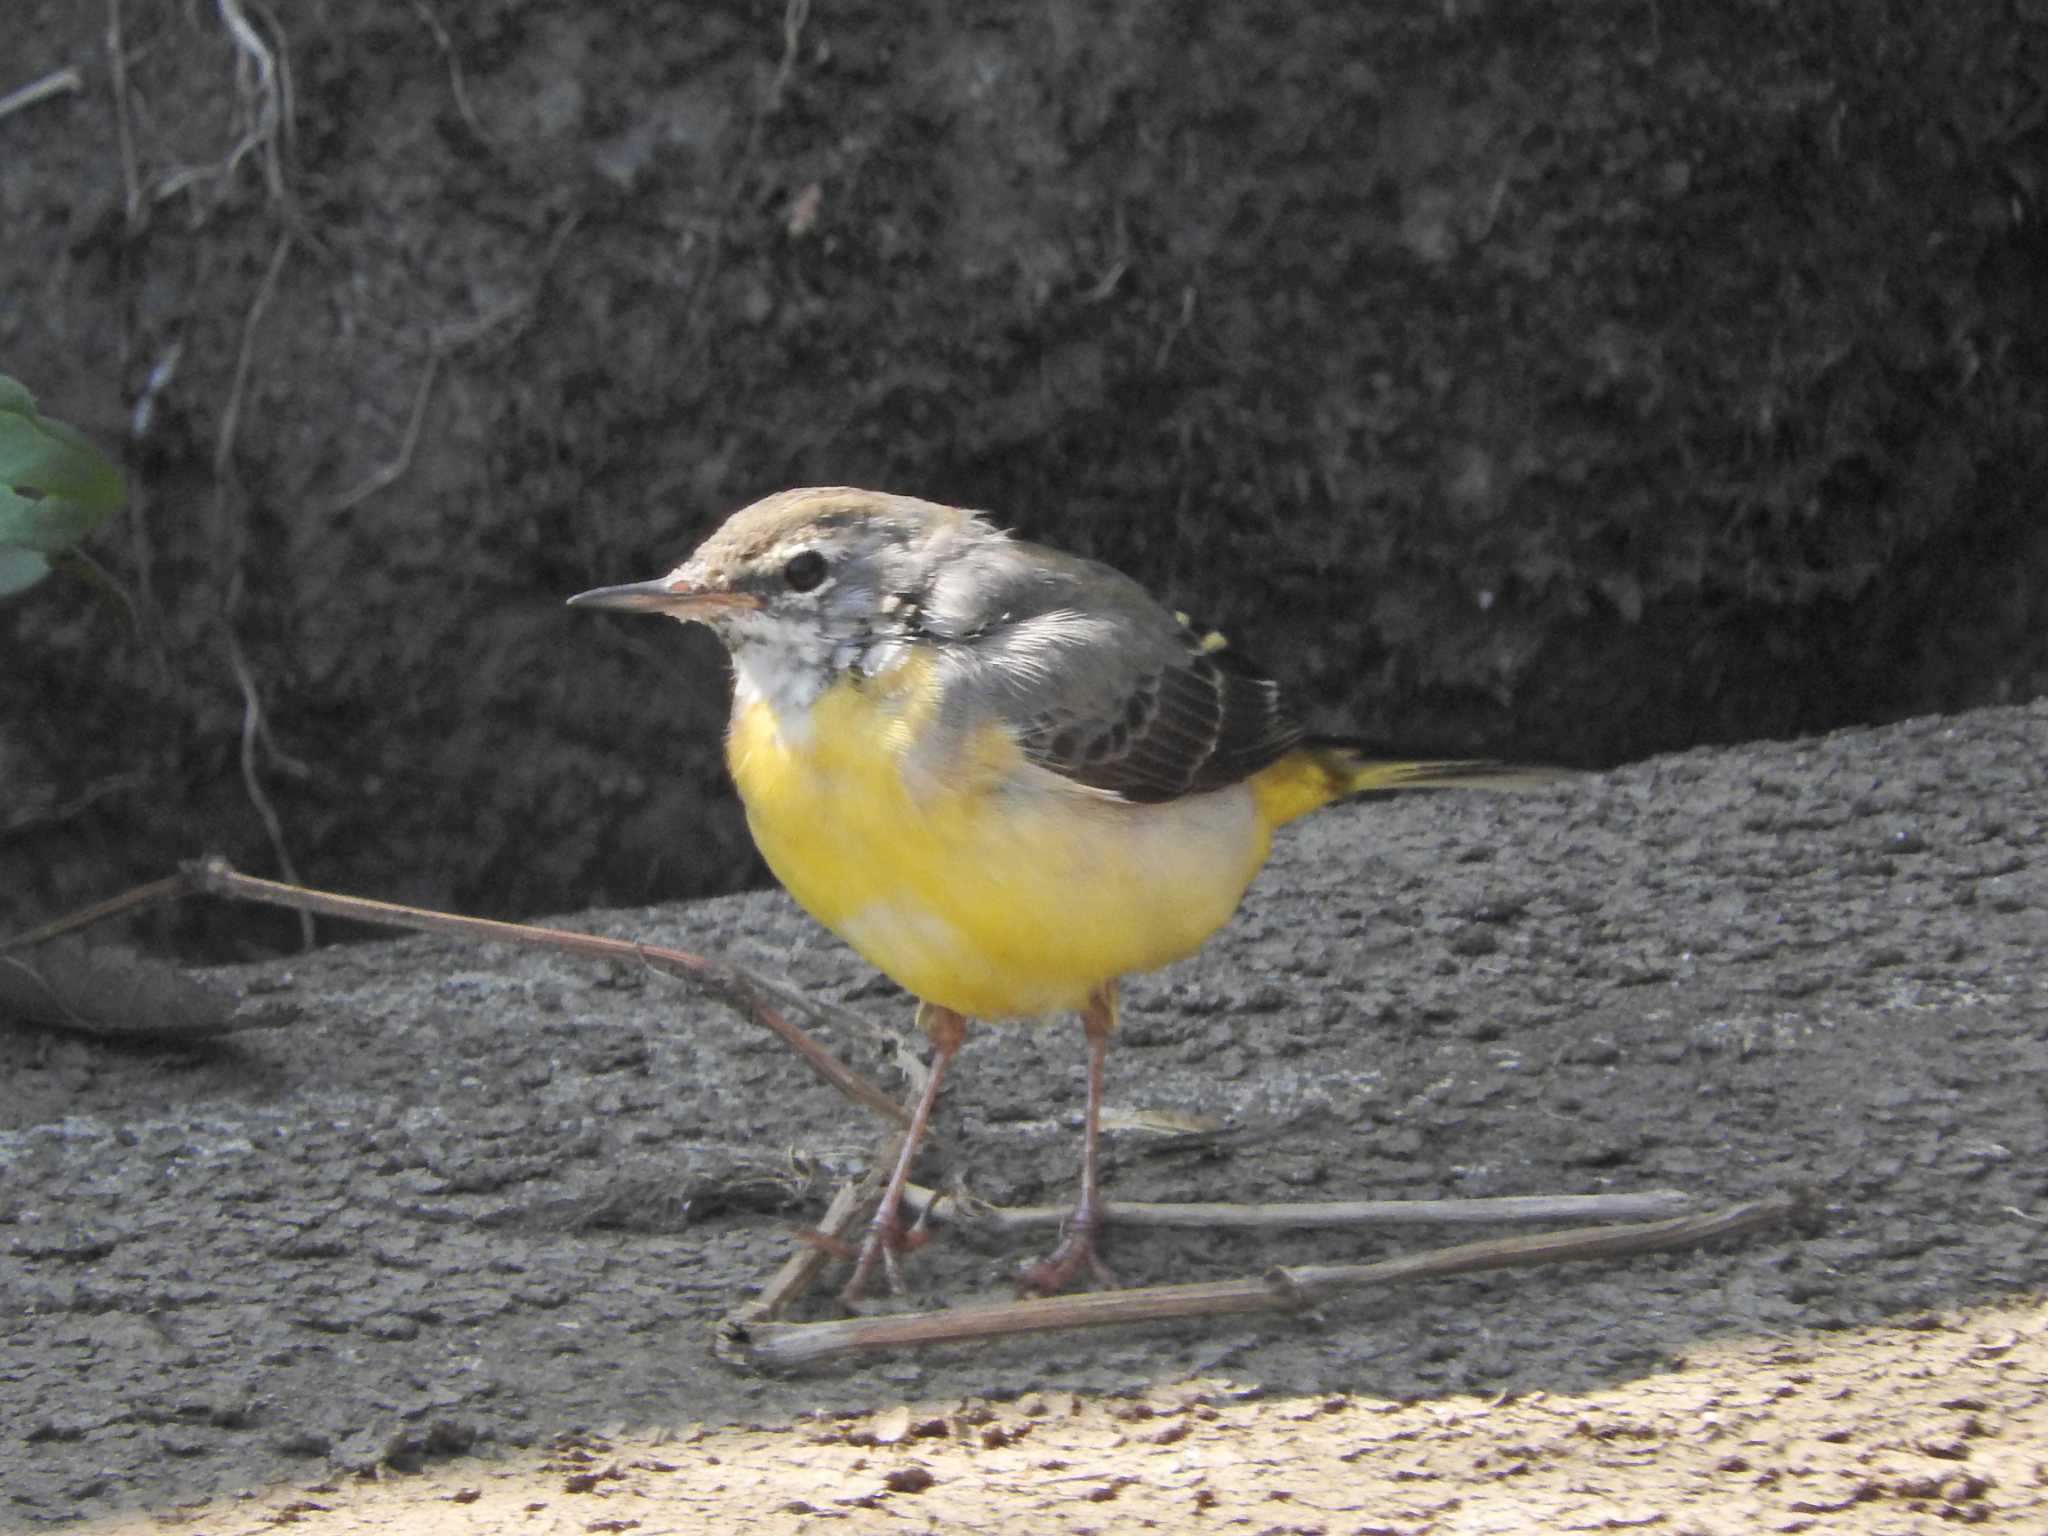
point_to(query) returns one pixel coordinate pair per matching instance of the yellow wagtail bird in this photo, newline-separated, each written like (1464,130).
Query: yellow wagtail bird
(1005,775)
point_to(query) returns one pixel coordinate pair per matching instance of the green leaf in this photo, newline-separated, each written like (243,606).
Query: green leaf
(20,569)
(46,523)
(55,488)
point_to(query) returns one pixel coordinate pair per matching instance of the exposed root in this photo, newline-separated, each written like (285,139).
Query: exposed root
(261,112)
(456,84)
(390,472)
(263,97)
(231,412)
(132,205)
(252,784)
(55,83)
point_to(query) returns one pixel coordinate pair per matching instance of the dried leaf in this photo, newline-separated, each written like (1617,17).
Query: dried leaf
(100,990)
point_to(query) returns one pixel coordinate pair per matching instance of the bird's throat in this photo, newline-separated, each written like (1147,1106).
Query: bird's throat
(788,679)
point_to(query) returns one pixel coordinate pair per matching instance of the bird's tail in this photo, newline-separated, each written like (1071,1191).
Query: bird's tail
(1321,770)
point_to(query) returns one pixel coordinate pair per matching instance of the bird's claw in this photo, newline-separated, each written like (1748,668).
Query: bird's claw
(887,1240)
(1076,1251)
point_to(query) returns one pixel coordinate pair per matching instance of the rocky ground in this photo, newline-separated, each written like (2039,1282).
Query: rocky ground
(447,1252)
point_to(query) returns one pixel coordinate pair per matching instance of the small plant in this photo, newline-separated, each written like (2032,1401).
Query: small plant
(55,488)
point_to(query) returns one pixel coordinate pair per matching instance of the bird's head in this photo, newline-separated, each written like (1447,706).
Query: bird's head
(812,577)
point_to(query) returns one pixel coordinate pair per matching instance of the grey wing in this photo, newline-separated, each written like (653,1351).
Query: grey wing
(1104,687)
(1196,722)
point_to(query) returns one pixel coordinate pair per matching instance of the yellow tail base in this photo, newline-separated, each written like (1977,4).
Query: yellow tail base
(1312,776)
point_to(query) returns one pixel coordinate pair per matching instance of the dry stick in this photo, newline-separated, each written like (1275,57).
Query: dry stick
(849,1208)
(727,984)
(781,1345)
(803,1267)
(847,1213)
(1309,1214)
(170,888)
(731,986)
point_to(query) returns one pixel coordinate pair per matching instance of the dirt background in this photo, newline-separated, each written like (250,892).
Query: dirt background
(453,1245)
(1586,377)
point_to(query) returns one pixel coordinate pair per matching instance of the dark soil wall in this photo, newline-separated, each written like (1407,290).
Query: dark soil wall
(1577,379)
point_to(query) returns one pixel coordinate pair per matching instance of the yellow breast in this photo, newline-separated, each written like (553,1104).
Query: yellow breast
(974,879)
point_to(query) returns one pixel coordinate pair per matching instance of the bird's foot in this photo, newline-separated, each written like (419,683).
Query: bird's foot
(1077,1251)
(887,1240)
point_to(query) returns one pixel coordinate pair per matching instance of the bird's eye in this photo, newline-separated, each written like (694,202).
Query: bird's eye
(804,571)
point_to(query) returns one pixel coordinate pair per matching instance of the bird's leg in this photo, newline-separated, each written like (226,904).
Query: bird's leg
(887,1236)
(1077,1248)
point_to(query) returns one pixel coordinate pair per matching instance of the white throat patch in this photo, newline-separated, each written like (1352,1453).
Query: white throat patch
(784,670)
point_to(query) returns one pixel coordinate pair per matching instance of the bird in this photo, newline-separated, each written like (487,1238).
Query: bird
(1005,775)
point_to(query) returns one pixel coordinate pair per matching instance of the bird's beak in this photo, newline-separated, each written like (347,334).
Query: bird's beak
(670,594)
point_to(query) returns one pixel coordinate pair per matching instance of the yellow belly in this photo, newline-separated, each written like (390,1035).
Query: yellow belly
(994,888)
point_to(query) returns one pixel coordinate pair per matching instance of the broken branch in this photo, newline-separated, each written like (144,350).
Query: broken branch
(776,1346)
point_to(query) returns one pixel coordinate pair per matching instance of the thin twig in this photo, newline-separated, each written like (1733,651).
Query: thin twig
(737,989)
(1299,1215)
(170,888)
(1309,1284)
(777,1346)
(727,983)
(55,83)
(800,1271)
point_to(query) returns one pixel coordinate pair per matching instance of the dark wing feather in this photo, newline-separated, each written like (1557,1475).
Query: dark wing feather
(1198,720)
(1096,680)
